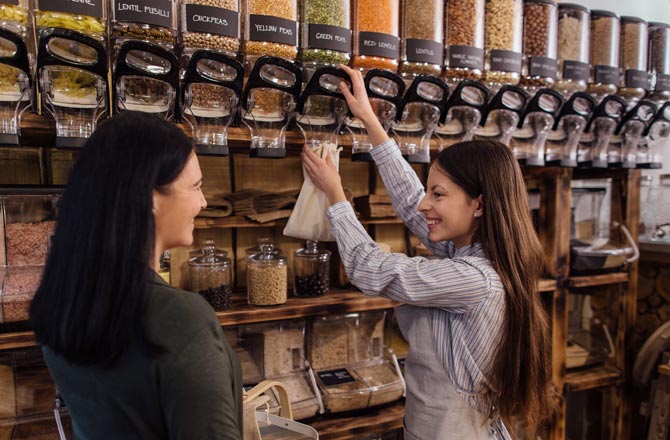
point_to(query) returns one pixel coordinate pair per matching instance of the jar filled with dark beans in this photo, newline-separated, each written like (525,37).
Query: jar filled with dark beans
(211,275)
(311,270)
(220,298)
(540,23)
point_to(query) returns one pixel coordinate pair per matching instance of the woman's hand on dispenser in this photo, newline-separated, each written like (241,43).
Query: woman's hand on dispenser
(323,174)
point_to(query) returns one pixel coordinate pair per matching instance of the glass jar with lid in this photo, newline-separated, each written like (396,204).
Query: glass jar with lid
(421,46)
(267,277)
(540,42)
(325,34)
(311,270)
(605,30)
(633,58)
(257,249)
(503,42)
(659,60)
(463,40)
(375,28)
(574,26)
(210,275)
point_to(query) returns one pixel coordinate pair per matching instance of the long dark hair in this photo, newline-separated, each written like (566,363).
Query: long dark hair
(522,368)
(90,304)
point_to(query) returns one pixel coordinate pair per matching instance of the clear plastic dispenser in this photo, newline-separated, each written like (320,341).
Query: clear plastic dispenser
(151,21)
(563,140)
(622,151)
(595,140)
(420,111)
(385,90)
(72,70)
(268,104)
(650,153)
(147,80)
(15,85)
(322,108)
(210,97)
(463,113)
(534,127)
(502,115)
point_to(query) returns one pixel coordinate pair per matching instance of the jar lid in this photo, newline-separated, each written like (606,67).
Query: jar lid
(209,255)
(597,13)
(658,24)
(267,254)
(573,6)
(257,249)
(544,2)
(629,19)
(311,250)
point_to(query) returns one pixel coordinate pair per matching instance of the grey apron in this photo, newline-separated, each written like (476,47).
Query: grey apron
(433,408)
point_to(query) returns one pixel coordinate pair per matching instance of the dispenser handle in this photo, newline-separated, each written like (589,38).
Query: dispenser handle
(413,95)
(314,86)
(379,73)
(46,58)
(256,80)
(19,58)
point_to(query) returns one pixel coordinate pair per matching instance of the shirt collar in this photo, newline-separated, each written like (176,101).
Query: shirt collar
(471,250)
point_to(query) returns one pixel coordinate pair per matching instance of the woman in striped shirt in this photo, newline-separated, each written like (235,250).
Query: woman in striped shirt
(477,331)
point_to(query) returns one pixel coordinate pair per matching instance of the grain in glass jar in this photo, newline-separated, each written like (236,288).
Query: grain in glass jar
(156,23)
(210,275)
(422,52)
(605,29)
(503,42)
(659,60)
(574,27)
(210,24)
(540,23)
(270,28)
(311,270)
(325,33)
(634,58)
(375,28)
(463,40)
(266,277)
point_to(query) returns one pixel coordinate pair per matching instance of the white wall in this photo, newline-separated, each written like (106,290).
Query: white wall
(650,10)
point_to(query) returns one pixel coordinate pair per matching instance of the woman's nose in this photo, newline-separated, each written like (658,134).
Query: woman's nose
(424,205)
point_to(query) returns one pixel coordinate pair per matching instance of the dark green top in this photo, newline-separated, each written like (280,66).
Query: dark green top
(192,391)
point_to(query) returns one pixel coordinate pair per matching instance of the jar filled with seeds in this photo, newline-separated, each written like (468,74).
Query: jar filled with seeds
(210,275)
(266,277)
(503,41)
(605,29)
(325,33)
(540,23)
(88,18)
(659,60)
(634,58)
(156,24)
(311,270)
(573,48)
(375,27)
(422,52)
(463,40)
(270,28)
(210,24)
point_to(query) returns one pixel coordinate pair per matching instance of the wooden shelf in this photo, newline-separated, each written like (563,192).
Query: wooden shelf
(592,378)
(373,420)
(664,370)
(335,302)
(17,340)
(598,280)
(242,222)
(548,285)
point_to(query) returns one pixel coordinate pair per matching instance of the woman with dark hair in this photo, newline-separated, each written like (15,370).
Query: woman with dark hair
(133,357)
(477,332)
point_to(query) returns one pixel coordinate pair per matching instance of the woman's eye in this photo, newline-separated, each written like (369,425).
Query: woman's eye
(437,195)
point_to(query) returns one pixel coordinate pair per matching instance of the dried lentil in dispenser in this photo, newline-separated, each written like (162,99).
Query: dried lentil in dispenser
(540,22)
(375,28)
(270,29)
(634,58)
(659,61)
(464,39)
(503,41)
(422,32)
(573,48)
(605,29)
(212,25)
(325,32)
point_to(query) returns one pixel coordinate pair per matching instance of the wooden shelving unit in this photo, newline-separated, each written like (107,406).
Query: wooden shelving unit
(243,222)
(598,280)
(379,419)
(592,378)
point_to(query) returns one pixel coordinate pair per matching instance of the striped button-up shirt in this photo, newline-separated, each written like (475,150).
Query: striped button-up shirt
(461,288)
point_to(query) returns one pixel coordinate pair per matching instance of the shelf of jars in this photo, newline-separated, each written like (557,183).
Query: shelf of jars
(598,280)
(591,378)
(374,420)
(243,222)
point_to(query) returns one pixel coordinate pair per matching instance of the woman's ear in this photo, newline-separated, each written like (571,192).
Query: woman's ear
(479,206)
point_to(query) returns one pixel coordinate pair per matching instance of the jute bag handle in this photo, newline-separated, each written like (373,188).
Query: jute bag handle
(254,398)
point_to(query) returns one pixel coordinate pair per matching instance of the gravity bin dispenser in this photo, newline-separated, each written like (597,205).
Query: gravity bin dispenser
(563,140)
(385,90)
(421,109)
(268,105)
(594,142)
(72,71)
(623,147)
(147,80)
(528,144)
(322,108)
(463,113)
(502,115)
(15,85)
(211,94)
(650,153)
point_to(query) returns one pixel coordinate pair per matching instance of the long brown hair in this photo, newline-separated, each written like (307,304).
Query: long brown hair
(522,367)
